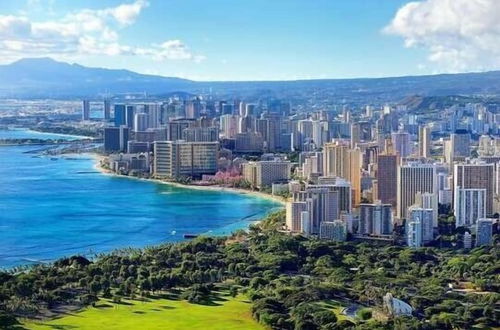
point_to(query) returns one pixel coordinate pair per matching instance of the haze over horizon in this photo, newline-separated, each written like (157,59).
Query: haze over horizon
(223,40)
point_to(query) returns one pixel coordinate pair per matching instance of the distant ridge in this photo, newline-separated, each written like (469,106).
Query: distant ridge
(45,77)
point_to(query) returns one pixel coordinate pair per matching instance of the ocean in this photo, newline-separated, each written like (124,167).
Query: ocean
(51,207)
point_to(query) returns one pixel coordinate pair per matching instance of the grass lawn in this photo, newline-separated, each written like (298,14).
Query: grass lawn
(336,307)
(223,313)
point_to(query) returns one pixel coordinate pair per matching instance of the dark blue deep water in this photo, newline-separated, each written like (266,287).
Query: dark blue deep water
(55,207)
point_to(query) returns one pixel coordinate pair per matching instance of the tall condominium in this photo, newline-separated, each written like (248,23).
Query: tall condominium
(387,176)
(265,173)
(414,233)
(85,110)
(107,109)
(424,142)
(175,128)
(293,213)
(414,178)
(129,115)
(184,159)
(429,201)
(193,109)
(140,122)
(469,206)
(484,232)
(426,223)
(339,160)
(321,203)
(153,112)
(249,142)
(116,138)
(401,143)
(375,219)
(339,185)
(460,144)
(333,230)
(312,166)
(229,126)
(120,115)
(200,134)
(476,176)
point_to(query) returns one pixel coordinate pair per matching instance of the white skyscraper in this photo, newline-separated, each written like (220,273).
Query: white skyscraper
(470,205)
(414,233)
(425,219)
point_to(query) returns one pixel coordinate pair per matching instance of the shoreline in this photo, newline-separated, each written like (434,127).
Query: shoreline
(256,194)
(27,129)
(81,137)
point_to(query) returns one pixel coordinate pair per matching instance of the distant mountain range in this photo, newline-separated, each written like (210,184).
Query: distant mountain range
(45,77)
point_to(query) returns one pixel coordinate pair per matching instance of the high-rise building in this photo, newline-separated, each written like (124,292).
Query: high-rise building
(333,230)
(200,134)
(124,137)
(460,144)
(120,115)
(476,176)
(250,110)
(229,126)
(129,115)
(293,213)
(153,112)
(107,109)
(341,161)
(387,179)
(248,142)
(469,206)
(484,232)
(429,201)
(175,129)
(305,223)
(85,110)
(264,173)
(342,186)
(414,233)
(414,178)
(184,159)
(375,219)
(321,204)
(426,222)
(401,144)
(193,109)
(111,139)
(140,122)
(424,142)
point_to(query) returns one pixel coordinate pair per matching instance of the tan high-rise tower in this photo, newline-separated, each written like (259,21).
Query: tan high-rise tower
(341,161)
(424,142)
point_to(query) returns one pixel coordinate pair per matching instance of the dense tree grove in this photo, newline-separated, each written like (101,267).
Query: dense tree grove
(285,277)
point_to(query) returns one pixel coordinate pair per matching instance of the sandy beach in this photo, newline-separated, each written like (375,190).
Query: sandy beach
(258,194)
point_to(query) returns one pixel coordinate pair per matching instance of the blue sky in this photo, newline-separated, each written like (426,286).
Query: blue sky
(237,39)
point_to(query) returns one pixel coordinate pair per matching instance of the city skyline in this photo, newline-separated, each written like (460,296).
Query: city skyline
(222,40)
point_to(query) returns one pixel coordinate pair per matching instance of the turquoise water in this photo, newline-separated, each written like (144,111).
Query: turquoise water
(54,207)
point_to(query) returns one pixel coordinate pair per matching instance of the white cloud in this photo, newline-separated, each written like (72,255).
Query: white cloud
(84,32)
(126,14)
(460,35)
